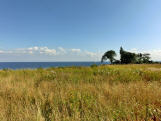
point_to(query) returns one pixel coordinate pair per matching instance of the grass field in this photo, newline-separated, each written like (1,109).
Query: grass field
(103,93)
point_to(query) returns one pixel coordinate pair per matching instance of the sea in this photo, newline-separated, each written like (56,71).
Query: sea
(34,65)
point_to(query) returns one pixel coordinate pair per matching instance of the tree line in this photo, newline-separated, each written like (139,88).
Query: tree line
(127,57)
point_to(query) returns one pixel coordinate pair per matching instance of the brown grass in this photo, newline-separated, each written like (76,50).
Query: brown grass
(104,93)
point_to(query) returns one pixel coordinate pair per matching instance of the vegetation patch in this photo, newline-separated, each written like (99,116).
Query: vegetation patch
(96,93)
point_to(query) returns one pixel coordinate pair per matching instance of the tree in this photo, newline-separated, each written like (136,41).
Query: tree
(140,58)
(109,55)
(143,58)
(127,57)
(146,58)
(121,54)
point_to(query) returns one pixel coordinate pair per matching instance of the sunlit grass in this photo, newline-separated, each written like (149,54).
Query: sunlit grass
(103,93)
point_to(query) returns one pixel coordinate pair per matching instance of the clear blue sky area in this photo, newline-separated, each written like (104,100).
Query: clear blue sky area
(93,25)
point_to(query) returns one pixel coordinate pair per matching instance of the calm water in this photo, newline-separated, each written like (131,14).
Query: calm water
(23,65)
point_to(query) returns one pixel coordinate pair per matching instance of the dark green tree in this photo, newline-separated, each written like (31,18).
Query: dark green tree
(143,58)
(146,58)
(109,55)
(127,57)
(139,58)
(121,54)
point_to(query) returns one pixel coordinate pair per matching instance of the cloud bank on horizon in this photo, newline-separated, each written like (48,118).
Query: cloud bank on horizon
(61,54)
(47,54)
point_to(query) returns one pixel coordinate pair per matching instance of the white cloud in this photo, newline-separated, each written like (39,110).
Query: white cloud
(92,54)
(47,54)
(31,50)
(61,49)
(46,50)
(35,48)
(76,50)
(1,51)
(134,50)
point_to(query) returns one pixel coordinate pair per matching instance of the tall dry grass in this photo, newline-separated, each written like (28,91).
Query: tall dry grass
(103,93)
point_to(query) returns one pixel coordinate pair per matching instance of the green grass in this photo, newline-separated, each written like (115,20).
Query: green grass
(97,93)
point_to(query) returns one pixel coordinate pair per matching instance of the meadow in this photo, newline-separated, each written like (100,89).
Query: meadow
(96,93)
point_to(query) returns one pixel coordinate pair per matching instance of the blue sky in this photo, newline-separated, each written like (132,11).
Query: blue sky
(73,30)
